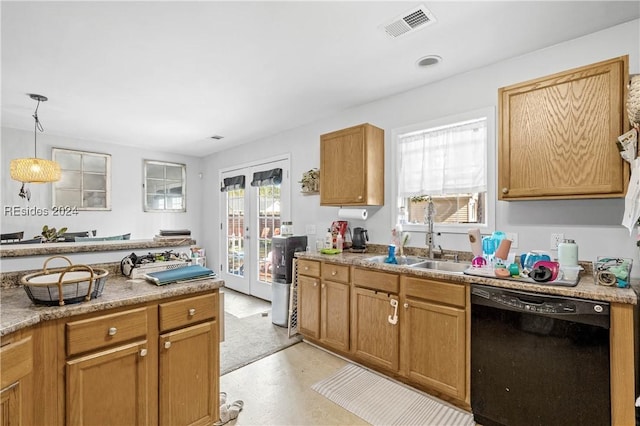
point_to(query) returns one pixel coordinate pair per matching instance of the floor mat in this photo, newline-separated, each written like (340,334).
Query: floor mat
(381,401)
(251,338)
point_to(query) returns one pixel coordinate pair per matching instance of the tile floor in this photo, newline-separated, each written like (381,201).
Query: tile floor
(276,390)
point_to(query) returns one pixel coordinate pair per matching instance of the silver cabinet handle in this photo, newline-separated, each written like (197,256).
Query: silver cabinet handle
(143,352)
(113,331)
(192,312)
(167,345)
(306,268)
(333,273)
(505,190)
(315,284)
(406,305)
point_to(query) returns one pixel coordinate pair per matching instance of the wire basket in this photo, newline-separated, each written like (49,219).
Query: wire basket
(60,286)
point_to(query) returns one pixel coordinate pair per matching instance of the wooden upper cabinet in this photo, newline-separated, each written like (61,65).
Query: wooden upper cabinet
(558,134)
(352,167)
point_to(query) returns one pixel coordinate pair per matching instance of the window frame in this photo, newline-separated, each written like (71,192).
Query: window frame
(107,157)
(490,114)
(145,204)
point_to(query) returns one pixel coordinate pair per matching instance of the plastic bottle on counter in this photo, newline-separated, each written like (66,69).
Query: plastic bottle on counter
(328,239)
(568,253)
(339,242)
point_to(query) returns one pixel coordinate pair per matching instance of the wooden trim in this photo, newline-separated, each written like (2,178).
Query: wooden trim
(623,374)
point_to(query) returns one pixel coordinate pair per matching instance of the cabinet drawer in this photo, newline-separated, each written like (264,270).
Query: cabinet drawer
(105,330)
(309,267)
(16,361)
(449,293)
(334,272)
(188,311)
(376,280)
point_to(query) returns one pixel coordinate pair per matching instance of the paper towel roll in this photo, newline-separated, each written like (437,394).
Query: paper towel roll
(360,214)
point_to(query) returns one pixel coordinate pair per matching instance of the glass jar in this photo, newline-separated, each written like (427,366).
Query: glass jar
(286,228)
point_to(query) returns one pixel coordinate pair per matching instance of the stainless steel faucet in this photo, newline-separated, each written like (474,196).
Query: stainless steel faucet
(430,213)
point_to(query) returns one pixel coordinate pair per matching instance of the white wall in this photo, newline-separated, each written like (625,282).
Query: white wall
(594,224)
(126,213)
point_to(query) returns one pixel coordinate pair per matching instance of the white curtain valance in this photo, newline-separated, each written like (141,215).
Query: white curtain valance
(445,160)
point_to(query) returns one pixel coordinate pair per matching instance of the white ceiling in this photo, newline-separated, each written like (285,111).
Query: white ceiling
(168,75)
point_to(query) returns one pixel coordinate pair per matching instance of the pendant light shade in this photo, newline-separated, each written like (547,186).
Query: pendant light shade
(34,169)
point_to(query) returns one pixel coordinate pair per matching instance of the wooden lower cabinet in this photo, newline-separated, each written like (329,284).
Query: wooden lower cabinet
(334,317)
(374,339)
(109,387)
(16,366)
(433,349)
(324,303)
(309,306)
(188,377)
(149,364)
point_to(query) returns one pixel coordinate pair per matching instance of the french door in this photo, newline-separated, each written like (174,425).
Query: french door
(254,198)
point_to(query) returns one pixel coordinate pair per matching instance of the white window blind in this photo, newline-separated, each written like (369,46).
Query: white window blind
(444,160)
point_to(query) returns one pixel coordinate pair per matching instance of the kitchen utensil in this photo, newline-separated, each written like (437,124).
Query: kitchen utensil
(359,239)
(475,239)
(554,267)
(527,260)
(503,249)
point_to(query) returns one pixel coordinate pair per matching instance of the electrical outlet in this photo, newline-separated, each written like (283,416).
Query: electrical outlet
(513,236)
(310,229)
(555,240)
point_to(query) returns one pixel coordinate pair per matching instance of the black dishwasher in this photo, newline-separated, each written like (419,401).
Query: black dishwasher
(538,359)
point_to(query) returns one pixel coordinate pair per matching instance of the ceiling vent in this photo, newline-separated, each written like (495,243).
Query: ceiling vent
(409,22)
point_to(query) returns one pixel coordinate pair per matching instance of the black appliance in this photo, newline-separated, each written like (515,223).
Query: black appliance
(538,359)
(359,239)
(282,252)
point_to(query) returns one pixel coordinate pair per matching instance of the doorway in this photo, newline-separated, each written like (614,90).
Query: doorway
(253,199)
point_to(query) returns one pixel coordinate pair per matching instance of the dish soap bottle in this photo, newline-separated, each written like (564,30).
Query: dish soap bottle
(328,239)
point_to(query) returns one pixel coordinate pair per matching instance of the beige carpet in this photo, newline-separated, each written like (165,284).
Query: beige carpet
(381,401)
(251,338)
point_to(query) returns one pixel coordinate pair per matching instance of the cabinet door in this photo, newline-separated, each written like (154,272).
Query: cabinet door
(10,405)
(188,379)
(373,338)
(433,351)
(557,135)
(334,329)
(109,387)
(309,306)
(352,166)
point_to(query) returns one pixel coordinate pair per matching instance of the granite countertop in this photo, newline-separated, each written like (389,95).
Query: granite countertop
(585,289)
(21,250)
(17,311)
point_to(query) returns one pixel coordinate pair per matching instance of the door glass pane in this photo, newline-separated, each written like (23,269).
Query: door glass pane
(155,171)
(94,198)
(268,226)
(69,180)
(235,232)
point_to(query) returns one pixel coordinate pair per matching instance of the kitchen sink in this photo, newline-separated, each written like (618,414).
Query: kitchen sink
(402,260)
(442,265)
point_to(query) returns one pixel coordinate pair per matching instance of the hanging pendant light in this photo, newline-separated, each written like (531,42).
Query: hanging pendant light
(35,170)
